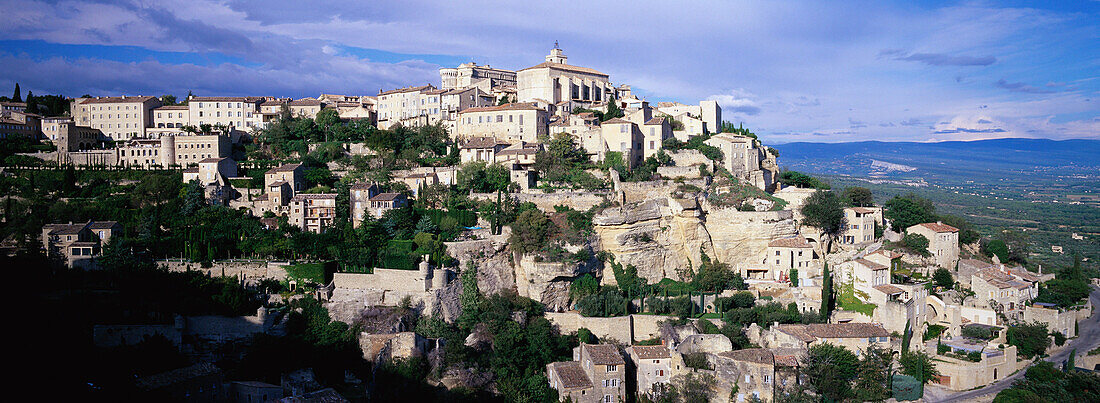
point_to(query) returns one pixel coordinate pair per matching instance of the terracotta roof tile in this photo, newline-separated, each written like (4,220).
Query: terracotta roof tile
(572,375)
(566,67)
(757,355)
(117,100)
(793,242)
(483,142)
(939,227)
(604,354)
(871,265)
(889,289)
(808,333)
(651,352)
(516,106)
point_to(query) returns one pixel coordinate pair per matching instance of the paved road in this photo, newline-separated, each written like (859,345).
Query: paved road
(1088,339)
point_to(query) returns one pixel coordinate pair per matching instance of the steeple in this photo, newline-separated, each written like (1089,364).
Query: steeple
(556,55)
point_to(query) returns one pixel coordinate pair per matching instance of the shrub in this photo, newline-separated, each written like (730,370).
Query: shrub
(917,243)
(977,332)
(697,361)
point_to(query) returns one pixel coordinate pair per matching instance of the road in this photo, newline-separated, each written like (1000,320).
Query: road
(1088,339)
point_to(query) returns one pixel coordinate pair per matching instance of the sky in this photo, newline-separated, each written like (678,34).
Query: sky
(790,70)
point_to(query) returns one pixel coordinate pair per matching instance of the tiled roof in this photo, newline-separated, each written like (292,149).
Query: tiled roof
(157,381)
(210,160)
(191,171)
(808,333)
(566,67)
(516,106)
(327,395)
(939,227)
(757,355)
(171,107)
(976,263)
(604,354)
(651,352)
(66,229)
(615,121)
(102,224)
(483,142)
(1000,279)
(117,100)
(656,121)
(787,357)
(313,196)
(572,375)
(225,99)
(362,185)
(277,183)
(863,210)
(793,242)
(889,289)
(305,102)
(406,89)
(284,168)
(871,265)
(387,197)
(888,253)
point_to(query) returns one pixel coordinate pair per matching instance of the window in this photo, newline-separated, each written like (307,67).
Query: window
(611,368)
(607,399)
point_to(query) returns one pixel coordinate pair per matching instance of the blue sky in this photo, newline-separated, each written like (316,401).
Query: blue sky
(791,70)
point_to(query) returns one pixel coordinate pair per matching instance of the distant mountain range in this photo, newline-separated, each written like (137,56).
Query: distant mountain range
(945,160)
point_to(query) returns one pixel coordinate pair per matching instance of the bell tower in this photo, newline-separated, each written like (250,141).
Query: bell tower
(556,55)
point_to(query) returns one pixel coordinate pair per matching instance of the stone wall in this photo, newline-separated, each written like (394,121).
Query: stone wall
(245,270)
(626,329)
(581,201)
(688,172)
(1057,320)
(406,281)
(128,335)
(633,192)
(684,158)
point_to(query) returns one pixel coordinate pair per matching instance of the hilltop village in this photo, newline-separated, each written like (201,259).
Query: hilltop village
(533,235)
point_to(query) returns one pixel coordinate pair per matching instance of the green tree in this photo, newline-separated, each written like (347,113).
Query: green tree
(825,211)
(916,242)
(471,297)
(943,278)
(996,248)
(18,96)
(827,294)
(874,374)
(613,110)
(1031,339)
(909,210)
(830,370)
(919,365)
(530,232)
(168,99)
(859,196)
(32,102)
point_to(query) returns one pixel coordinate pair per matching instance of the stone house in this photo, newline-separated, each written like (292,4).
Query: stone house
(596,374)
(866,274)
(624,137)
(1057,319)
(751,370)
(745,158)
(784,255)
(359,196)
(860,225)
(77,245)
(510,122)
(197,383)
(1000,290)
(416,180)
(313,212)
(887,258)
(556,81)
(254,391)
(383,202)
(968,267)
(481,149)
(943,242)
(854,336)
(653,365)
(400,105)
(654,133)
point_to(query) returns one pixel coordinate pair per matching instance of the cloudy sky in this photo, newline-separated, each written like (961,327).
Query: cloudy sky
(791,70)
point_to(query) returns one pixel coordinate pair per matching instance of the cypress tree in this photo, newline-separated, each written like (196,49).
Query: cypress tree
(826,293)
(17,97)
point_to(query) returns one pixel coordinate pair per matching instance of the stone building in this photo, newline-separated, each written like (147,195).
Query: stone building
(313,212)
(254,392)
(654,133)
(751,371)
(1000,290)
(854,336)
(77,245)
(653,365)
(623,137)
(596,374)
(470,75)
(943,242)
(555,81)
(201,382)
(280,185)
(69,137)
(481,149)
(707,113)
(171,116)
(399,105)
(510,122)
(959,374)
(1057,319)
(175,149)
(118,118)
(859,225)
(746,159)
(784,255)
(237,112)
(18,123)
